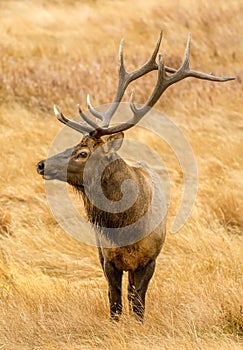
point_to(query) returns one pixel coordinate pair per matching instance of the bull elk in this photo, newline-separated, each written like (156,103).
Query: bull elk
(95,159)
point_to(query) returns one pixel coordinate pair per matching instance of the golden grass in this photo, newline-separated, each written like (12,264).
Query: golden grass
(52,290)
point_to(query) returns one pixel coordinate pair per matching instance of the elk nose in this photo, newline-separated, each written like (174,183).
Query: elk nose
(40,167)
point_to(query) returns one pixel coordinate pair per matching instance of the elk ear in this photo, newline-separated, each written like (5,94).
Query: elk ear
(113,142)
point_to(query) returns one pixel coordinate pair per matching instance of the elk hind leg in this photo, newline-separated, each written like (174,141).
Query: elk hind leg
(138,282)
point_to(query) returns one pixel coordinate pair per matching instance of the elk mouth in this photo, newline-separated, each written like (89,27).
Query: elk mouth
(49,176)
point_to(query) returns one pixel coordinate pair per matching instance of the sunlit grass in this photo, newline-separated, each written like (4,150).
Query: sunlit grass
(53,294)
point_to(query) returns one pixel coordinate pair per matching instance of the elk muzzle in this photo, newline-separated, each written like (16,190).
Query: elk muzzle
(57,167)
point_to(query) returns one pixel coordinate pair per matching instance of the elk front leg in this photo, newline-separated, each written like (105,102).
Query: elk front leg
(137,288)
(114,278)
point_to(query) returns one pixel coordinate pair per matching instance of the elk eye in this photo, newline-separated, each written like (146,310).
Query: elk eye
(82,154)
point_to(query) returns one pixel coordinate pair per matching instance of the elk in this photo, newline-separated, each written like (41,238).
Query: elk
(125,243)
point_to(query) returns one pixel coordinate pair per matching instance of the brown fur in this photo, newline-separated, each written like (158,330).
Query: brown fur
(116,256)
(137,255)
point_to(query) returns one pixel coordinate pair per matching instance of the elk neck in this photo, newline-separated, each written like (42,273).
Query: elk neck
(115,173)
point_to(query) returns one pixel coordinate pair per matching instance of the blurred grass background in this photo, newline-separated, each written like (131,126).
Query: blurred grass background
(52,291)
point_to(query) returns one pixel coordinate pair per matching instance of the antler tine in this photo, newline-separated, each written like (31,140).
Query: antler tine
(185,64)
(92,110)
(149,66)
(187,72)
(87,119)
(157,46)
(122,69)
(106,117)
(72,124)
(120,88)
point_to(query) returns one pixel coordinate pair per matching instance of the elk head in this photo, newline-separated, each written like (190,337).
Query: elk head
(69,165)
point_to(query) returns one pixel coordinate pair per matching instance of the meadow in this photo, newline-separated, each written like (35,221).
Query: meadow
(53,294)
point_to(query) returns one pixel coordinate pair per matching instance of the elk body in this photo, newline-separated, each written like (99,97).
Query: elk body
(126,238)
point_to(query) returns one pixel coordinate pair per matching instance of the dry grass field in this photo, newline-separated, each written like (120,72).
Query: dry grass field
(52,291)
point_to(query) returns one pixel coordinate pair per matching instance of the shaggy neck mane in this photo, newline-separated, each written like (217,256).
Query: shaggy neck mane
(111,180)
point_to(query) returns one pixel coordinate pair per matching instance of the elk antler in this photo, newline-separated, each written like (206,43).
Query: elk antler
(164,80)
